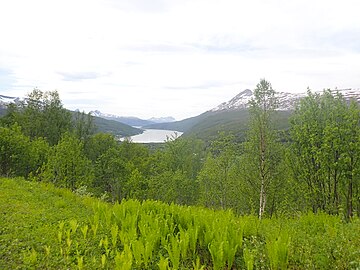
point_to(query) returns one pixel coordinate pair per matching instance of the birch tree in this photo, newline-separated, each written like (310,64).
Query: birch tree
(261,144)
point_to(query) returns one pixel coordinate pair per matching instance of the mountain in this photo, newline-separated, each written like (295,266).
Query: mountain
(5,100)
(287,101)
(232,116)
(133,121)
(240,101)
(114,127)
(183,125)
(167,119)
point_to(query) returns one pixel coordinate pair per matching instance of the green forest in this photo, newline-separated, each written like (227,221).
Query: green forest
(277,199)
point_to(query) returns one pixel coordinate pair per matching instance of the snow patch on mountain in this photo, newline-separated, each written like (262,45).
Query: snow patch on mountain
(6,100)
(240,101)
(287,101)
(159,120)
(133,121)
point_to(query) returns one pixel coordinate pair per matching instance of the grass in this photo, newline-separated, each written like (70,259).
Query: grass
(43,227)
(29,218)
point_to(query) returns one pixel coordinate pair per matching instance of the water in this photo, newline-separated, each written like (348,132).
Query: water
(155,136)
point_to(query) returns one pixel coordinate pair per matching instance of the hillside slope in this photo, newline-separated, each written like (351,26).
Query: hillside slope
(206,126)
(231,121)
(115,127)
(182,125)
(30,214)
(43,227)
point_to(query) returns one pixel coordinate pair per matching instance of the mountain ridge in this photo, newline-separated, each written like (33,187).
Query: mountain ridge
(132,120)
(287,101)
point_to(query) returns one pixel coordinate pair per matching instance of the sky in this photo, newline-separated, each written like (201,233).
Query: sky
(180,58)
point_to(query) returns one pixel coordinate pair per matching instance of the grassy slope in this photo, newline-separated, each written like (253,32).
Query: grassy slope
(30,214)
(29,218)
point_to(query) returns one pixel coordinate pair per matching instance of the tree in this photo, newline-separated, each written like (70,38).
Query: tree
(18,155)
(98,144)
(14,152)
(173,171)
(325,134)
(261,140)
(83,125)
(218,181)
(351,185)
(41,114)
(112,174)
(67,166)
(57,120)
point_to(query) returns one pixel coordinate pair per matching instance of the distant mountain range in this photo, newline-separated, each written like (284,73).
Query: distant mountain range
(133,121)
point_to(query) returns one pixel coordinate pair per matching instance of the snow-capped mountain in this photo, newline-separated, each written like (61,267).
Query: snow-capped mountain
(109,115)
(133,121)
(287,101)
(166,119)
(6,100)
(240,101)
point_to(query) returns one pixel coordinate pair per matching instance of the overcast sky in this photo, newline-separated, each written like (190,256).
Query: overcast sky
(174,57)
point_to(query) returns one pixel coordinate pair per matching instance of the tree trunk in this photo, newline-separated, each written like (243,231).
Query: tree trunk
(262,199)
(349,200)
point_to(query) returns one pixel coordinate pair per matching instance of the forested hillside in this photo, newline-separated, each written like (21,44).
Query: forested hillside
(113,127)
(314,166)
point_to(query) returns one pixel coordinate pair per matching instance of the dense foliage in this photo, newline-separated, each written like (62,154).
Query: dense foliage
(56,229)
(312,167)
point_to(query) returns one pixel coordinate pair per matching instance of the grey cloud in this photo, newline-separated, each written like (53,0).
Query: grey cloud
(205,85)
(79,76)
(85,101)
(7,79)
(227,43)
(5,71)
(347,40)
(131,63)
(228,48)
(199,47)
(159,48)
(153,6)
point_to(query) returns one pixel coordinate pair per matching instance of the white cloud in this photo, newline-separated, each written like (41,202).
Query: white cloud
(180,58)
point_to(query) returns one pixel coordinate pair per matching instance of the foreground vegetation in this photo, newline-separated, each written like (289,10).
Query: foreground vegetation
(44,227)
